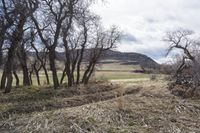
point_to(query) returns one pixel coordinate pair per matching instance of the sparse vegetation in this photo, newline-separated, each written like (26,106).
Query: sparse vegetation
(66,25)
(61,72)
(37,99)
(141,112)
(186,76)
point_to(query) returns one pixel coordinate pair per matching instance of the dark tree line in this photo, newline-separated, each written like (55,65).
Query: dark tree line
(43,27)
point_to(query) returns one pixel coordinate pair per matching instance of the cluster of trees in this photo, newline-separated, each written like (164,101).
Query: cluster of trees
(187,62)
(44,27)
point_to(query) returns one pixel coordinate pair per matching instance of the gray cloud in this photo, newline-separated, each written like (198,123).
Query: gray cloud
(151,20)
(147,21)
(128,37)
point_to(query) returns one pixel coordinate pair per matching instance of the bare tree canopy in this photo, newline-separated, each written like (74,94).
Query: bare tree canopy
(188,70)
(43,27)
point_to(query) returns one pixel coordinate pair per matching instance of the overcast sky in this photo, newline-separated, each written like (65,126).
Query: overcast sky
(145,22)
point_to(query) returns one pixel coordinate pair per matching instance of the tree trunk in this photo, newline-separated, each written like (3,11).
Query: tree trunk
(68,64)
(89,75)
(74,63)
(43,62)
(46,74)
(70,81)
(79,65)
(30,77)
(9,82)
(15,41)
(69,76)
(8,68)
(91,66)
(86,72)
(53,67)
(1,56)
(37,73)
(3,80)
(81,54)
(16,77)
(78,74)
(63,76)
(26,80)
(2,37)
(23,62)
(38,77)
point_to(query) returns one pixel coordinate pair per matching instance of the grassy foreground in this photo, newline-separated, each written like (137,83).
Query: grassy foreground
(147,107)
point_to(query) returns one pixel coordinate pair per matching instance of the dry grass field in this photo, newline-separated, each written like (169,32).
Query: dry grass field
(123,107)
(105,72)
(88,66)
(120,102)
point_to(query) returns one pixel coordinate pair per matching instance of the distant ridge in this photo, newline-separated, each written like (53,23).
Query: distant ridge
(131,58)
(125,58)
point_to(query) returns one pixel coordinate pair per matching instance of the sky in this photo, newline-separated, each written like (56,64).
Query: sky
(144,23)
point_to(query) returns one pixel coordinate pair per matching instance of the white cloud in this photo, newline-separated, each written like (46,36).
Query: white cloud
(148,21)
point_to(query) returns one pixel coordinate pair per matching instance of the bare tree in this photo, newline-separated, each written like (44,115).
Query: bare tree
(22,56)
(43,26)
(37,67)
(15,69)
(21,14)
(6,21)
(41,56)
(74,42)
(56,12)
(182,40)
(104,41)
(88,22)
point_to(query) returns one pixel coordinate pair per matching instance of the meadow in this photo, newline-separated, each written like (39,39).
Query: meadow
(104,72)
(103,107)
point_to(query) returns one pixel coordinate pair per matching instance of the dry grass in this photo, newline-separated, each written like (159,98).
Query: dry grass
(151,110)
(29,100)
(116,66)
(102,75)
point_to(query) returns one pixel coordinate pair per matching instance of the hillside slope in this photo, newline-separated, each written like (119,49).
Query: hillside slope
(109,57)
(124,58)
(131,58)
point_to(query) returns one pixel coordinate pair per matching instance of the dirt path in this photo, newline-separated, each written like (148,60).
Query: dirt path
(129,80)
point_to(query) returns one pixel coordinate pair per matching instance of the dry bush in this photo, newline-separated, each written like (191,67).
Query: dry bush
(186,82)
(182,91)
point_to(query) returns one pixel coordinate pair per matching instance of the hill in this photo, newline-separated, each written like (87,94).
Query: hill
(114,60)
(124,58)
